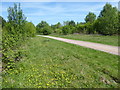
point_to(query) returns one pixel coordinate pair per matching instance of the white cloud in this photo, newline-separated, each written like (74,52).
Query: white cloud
(54,12)
(60,10)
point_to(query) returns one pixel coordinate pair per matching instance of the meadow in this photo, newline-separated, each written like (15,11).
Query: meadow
(109,40)
(30,61)
(54,64)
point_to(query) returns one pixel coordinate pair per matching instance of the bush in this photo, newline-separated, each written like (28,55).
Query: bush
(43,28)
(80,28)
(30,29)
(46,30)
(65,30)
(14,34)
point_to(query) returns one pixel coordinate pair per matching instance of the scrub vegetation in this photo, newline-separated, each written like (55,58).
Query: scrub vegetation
(55,64)
(29,61)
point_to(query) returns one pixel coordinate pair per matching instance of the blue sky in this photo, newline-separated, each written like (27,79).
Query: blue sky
(54,12)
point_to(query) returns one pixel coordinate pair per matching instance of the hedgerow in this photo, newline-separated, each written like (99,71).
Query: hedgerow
(14,33)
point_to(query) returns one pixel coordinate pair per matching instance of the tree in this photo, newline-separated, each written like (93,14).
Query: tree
(71,23)
(56,28)
(13,36)
(16,16)
(43,28)
(80,28)
(58,25)
(30,29)
(46,30)
(2,21)
(66,23)
(107,23)
(40,26)
(89,28)
(90,17)
(65,30)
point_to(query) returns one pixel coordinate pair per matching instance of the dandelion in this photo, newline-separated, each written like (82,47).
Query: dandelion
(44,72)
(48,84)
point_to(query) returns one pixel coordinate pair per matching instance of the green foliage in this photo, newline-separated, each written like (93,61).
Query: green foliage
(80,28)
(90,17)
(86,28)
(2,21)
(58,31)
(46,30)
(57,28)
(65,30)
(71,23)
(107,23)
(43,28)
(14,34)
(68,29)
(30,29)
(89,28)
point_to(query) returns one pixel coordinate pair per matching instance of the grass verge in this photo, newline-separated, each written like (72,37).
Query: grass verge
(110,40)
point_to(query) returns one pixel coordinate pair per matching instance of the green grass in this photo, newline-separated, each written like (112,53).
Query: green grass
(110,40)
(52,64)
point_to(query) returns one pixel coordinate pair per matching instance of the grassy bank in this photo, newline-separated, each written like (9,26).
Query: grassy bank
(110,40)
(52,63)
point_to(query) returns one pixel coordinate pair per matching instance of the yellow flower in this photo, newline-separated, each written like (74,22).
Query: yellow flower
(48,84)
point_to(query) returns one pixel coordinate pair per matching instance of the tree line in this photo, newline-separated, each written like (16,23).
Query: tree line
(107,23)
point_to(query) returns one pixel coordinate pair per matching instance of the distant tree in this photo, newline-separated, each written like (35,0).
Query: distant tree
(89,28)
(2,21)
(40,26)
(107,23)
(65,30)
(56,28)
(66,23)
(58,25)
(90,17)
(71,23)
(46,30)
(43,28)
(80,28)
